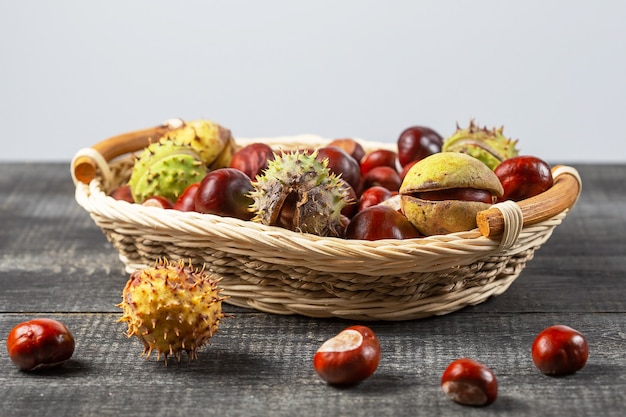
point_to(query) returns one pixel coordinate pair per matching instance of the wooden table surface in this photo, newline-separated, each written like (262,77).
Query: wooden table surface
(55,262)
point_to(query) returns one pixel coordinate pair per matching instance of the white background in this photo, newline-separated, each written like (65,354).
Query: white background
(553,73)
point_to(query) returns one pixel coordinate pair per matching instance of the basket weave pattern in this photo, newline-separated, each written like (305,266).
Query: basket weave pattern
(279,271)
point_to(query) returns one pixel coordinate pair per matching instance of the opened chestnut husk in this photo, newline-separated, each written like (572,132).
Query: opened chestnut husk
(443,192)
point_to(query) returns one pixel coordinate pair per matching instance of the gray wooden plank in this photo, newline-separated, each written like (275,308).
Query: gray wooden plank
(262,365)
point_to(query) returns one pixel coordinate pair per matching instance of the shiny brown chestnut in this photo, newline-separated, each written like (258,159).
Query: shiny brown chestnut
(38,343)
(372,196)
(351,146)
(252,159)
(378,157)
(469,382)
(348,358)
(225,192)
(416,143)
(560,350)
(157,201)
(122,193)
(523,177)
(341,163)
(383,176)
(187,200)
(380,222)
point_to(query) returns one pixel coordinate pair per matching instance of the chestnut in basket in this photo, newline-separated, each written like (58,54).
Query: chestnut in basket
(350,146)
(378,157)
(416,143)
(443,192)
(380,222)
(348,358)
(187,200)
(252,158)
(40,343)
(383,176)
(341,163)
(123,193)
(224,192)
(372,196)
(158,201)
(523,177)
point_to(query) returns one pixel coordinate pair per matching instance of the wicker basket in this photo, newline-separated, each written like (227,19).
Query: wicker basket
(279,271)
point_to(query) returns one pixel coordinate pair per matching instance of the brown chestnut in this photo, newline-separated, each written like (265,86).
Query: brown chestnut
(379,157)
(252,158)
(416,143)
(380,222)
(224,192)
(187,200)
(341,163)
(523,177)
(560,350)
(351,146)
(469,382)
(123,193)
(40,343)
(157,201)
(372,196)
(383,176)
(348,358)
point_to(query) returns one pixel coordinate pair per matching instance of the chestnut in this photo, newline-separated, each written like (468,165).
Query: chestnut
(40,343)
(384,176)
(372,196)
(157,201)
(560,350)
(378,157)
(224,192)
(380,222)
(416,143)
(187,200)
(469,382)
(123,193)
(348,358)
(351,146)
(252,158)
(341,163)
(523,177)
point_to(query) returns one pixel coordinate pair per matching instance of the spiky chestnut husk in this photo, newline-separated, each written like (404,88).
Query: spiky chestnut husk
(165,168)
(171,308)
(214,143)
(316,195)
(489,146)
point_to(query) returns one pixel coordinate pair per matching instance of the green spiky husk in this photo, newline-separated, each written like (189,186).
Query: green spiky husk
(171,308)
(489,146)
(300,179)
(165,168)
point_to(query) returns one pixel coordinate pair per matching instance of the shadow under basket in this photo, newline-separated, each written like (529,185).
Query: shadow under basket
(283,272)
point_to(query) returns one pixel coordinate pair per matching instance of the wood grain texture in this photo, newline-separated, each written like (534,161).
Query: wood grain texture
(55,262)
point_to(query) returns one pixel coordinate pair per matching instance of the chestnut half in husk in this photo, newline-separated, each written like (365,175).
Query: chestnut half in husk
(443,192)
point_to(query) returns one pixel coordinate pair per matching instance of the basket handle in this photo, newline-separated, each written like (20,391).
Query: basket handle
(84,166)
(562,195)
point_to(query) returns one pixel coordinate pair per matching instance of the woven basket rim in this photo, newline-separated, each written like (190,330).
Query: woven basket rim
(455,248)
